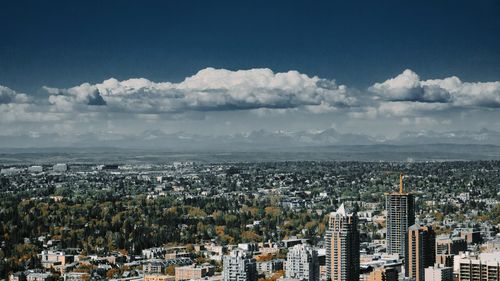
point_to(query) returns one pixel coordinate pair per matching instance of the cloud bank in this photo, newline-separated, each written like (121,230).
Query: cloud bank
(247,100)
(208,90)
(408,86)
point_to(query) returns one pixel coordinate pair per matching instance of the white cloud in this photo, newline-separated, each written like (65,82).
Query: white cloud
(408,87)
(406,108)
(208,90)
(24,112)
(8,95)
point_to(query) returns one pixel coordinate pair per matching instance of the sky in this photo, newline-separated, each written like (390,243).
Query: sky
(109,69)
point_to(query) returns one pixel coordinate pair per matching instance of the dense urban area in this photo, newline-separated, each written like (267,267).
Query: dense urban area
(251,221)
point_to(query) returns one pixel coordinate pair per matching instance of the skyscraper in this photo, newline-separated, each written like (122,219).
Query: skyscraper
(421,251)
(342,246)
(400,207)
(302,263)
(239,266)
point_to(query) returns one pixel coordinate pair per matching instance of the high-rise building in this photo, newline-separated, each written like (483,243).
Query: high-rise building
(342,246)
(421,251)
(383,274)
(239,266)
(400,207)
(485,266)
(302,263)
(439,273)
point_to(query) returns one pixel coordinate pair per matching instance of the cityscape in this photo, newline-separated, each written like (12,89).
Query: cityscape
(252,221)
(249,140)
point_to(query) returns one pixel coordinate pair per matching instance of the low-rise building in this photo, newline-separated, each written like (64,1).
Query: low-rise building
(438,272)
(193,272)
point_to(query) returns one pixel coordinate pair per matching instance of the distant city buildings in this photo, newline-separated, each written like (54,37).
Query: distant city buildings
(342,246)
(302,263)
(270,241)
(400,207)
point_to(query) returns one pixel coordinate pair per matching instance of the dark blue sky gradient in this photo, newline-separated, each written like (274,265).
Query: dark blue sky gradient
(65,43)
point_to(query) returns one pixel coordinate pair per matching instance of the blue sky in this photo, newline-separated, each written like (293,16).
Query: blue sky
(62,44)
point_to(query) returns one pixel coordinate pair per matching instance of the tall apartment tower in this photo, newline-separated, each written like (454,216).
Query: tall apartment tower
(302,263)
(421,251)
(342,246)
(239,266)
(400,207)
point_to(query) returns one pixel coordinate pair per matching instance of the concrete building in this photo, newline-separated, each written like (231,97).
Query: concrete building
(450,246)
(446,248)
(400,207)
(155,267)
(55,259)
(471,236)
(269,267)
(154,253)
(193,272)
(383,274)
(342,246)
(239,266)
(76,276)
(421,251)
(445,259)
(35,169)
(157,277)
(35,276)
(60,167)
(485,266)
(439,273)
(302,263)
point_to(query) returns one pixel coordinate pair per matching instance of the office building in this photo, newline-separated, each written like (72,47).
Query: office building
(239,266)
(420,252)
(400,207)
(342,246)
(302,263)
